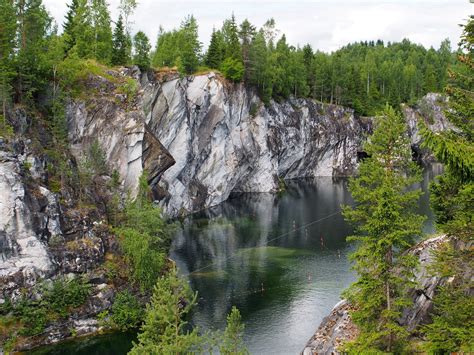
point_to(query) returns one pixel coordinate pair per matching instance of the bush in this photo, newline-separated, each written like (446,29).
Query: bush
(66,294)
(233,69)
(144,238)
(56,301)
(127,312)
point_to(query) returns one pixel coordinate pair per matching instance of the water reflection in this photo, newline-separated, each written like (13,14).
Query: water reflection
(282,260)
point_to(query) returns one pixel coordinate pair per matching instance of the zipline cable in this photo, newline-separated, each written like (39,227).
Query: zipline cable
(266,242)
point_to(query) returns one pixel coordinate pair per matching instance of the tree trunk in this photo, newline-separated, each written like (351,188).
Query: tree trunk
(368,84)
(389,258)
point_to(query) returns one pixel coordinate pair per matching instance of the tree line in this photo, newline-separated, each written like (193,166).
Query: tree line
(362,75)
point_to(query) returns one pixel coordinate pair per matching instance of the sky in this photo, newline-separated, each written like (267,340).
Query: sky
(326,25)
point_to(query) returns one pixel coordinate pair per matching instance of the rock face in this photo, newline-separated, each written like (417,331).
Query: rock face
(338,327)
(201,138)
(121,131)
(429,109)
(224,139)
(25,223)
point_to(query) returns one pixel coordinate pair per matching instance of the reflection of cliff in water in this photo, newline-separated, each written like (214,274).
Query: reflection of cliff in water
(250,242)
(292,245)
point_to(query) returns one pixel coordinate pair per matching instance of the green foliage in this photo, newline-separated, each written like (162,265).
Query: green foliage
(6,130)
(233,69)
(7,47)
(179,48)
(232,342)
(215,52)
(87,30)
(119,49)
(102,44)
(66,294)
(164,329)
(452,198)
(127,312)
(142,50)
(451,329)
(190,46)
(33,31)
(386,224)
(56,300)
(144,237)
(94,162)
(230,32)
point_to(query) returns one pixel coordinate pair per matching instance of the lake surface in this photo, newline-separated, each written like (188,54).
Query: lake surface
(281,259)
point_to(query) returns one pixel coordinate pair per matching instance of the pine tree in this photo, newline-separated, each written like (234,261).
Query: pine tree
(164,329)
(453,203)
(232,342)
(119,49)
(385,227)
(142,50)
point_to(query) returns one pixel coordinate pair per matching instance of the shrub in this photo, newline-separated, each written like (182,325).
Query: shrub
(126,311)
(233,69)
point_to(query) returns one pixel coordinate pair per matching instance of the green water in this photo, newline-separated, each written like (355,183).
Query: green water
(282,260)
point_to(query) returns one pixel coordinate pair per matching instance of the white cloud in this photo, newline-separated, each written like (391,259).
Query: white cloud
(326,25)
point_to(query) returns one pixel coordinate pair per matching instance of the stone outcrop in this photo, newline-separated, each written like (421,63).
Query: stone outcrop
(430,109)
(121,131)
(338,327)
(200,138)
(224,140)
(26,221)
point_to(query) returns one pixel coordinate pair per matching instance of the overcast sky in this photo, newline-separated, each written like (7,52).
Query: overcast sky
(325,24)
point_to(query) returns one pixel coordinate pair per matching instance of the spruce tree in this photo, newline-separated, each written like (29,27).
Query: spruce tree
(34,28)
(189,45)
(68,32)
(231,39)
(164,330)
(83,31)
(119,49)
(453,202)
(215,52)
(246,34)
(386,225)
(259,71)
